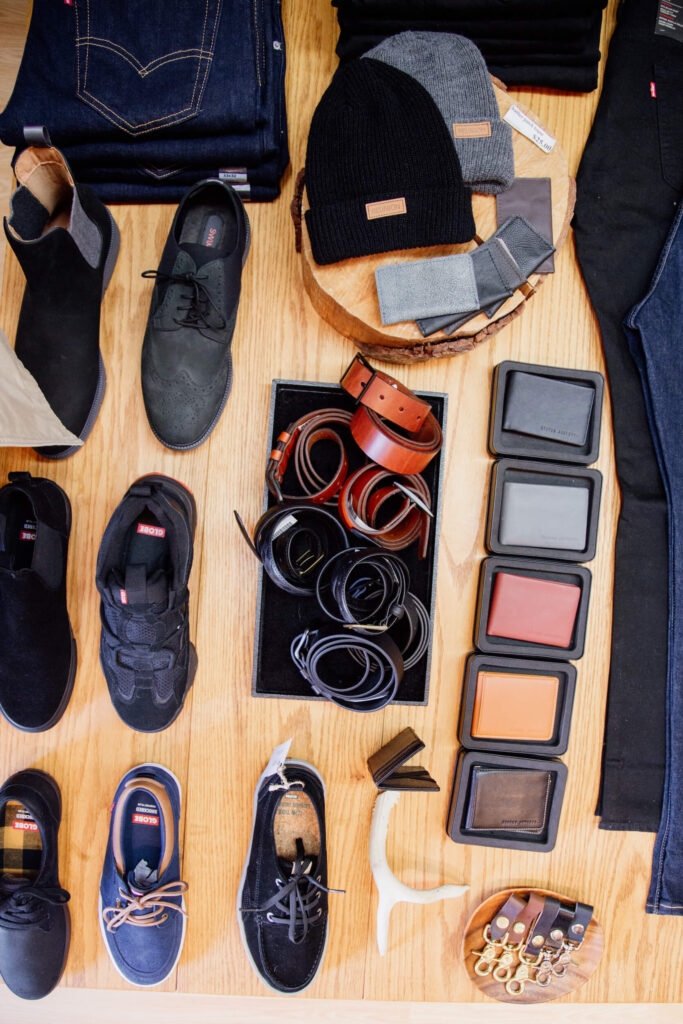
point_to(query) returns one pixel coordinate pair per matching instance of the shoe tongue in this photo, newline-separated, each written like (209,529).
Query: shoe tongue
(137,590)
(200,254)
(305,862)
(142,878)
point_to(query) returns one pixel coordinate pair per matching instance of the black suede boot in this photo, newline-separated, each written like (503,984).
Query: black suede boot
(66,242)
(38,651)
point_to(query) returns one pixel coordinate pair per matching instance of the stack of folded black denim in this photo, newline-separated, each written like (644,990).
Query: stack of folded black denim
(145,100)
(549,43)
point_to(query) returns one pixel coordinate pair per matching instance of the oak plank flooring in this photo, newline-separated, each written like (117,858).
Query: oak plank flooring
(220,743)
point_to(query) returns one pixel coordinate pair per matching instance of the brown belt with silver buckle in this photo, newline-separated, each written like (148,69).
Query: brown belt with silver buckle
(382,401)
(366,491)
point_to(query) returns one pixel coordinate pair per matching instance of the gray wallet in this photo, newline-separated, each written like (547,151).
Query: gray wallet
(423,288)
(530,198)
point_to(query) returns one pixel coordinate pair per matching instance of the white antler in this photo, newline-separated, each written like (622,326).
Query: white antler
(389,889)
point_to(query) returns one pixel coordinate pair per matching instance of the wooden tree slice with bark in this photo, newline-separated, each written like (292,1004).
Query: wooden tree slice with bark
(344,293)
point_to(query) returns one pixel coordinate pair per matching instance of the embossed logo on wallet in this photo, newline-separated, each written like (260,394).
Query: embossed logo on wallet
(472,130)
(386,208)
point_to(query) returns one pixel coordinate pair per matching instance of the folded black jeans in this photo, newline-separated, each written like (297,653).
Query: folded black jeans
(628,186)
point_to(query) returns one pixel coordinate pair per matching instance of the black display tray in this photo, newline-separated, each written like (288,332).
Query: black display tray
(456,829)
(530,471)
(281,616)
(566,675)
(525,446)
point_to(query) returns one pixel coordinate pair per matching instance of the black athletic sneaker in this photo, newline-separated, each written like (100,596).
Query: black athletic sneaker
(67,243)
(38,651)
(186,360)
(35,926)
(143,569)
(282,898)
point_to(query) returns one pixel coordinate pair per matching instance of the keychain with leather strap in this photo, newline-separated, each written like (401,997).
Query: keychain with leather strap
(363,496)
(299,439)
(383,405)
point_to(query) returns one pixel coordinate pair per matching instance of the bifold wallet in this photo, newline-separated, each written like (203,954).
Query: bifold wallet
(409,291)
(530,198)
(544,515)
(508,800)
(388,768)
(535,610)
(543,407)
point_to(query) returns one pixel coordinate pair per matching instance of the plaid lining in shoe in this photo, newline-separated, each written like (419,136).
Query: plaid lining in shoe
(20,844)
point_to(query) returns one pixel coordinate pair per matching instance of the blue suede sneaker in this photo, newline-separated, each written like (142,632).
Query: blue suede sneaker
(142,909)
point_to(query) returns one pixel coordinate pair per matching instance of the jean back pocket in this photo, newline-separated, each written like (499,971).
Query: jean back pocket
(669,86)
(144,64)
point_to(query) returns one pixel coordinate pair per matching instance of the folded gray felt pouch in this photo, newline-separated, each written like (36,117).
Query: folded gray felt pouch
(424,288)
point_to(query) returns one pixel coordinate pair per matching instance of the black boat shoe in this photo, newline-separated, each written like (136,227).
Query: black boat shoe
(282,900)
(143,568)
(186,359)
(35,926)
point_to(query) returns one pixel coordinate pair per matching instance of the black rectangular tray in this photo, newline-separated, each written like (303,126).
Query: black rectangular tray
(281,616)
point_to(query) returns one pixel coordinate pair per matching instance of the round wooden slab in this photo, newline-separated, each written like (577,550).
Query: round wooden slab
(344,293)
(582,965)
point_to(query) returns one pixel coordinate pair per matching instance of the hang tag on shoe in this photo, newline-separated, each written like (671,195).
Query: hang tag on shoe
(277,759)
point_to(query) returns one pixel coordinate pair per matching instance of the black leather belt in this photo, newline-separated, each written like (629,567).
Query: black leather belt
(362,587)
(293,542)
(375,664)
(412,631)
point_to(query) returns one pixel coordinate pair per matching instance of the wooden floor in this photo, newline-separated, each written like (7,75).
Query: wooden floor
(221,741)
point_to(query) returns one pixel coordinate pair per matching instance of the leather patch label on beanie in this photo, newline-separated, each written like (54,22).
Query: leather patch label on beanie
(472,130)
(386,208)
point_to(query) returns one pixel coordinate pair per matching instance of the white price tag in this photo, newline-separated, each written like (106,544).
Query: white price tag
(277,759)
(521,122)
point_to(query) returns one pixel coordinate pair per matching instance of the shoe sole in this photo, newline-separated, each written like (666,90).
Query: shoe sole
(141,984)
(228,387)
(73,665)
(36,773)
(109,265)
(186,498)
(240,922)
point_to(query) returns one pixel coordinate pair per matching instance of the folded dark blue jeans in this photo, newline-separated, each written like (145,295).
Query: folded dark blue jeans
(179,86)
(655,334)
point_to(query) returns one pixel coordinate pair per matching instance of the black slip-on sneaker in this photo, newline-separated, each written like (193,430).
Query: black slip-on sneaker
(186,359)
(282,899)
(143,568)
(38,651)
(35,926)
(67,243)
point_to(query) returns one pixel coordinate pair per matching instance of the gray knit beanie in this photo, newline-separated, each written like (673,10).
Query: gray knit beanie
(453,70)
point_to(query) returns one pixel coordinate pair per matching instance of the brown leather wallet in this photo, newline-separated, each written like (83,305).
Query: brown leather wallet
(382,400)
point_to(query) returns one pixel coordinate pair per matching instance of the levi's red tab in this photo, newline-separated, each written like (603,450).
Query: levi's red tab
(151,531)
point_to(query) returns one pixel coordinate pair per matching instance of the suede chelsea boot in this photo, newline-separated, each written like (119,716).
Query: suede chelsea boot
(66,242)
(38,651)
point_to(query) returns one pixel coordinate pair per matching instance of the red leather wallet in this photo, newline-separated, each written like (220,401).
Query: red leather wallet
(536,610)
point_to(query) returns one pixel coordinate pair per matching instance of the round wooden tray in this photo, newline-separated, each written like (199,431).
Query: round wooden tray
(344,293)
(579,970)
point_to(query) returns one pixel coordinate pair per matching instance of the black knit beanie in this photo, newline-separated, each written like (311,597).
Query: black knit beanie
(381,169)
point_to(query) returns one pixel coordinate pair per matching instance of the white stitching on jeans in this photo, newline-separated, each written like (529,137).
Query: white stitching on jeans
(172,118)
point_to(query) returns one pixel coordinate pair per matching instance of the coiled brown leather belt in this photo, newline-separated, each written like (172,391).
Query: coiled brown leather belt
(382,400)
(361,500)
(299,439)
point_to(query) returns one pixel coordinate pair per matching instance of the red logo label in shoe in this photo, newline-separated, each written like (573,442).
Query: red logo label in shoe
(28,530)
(146,819)
(25,822)
(151,531)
